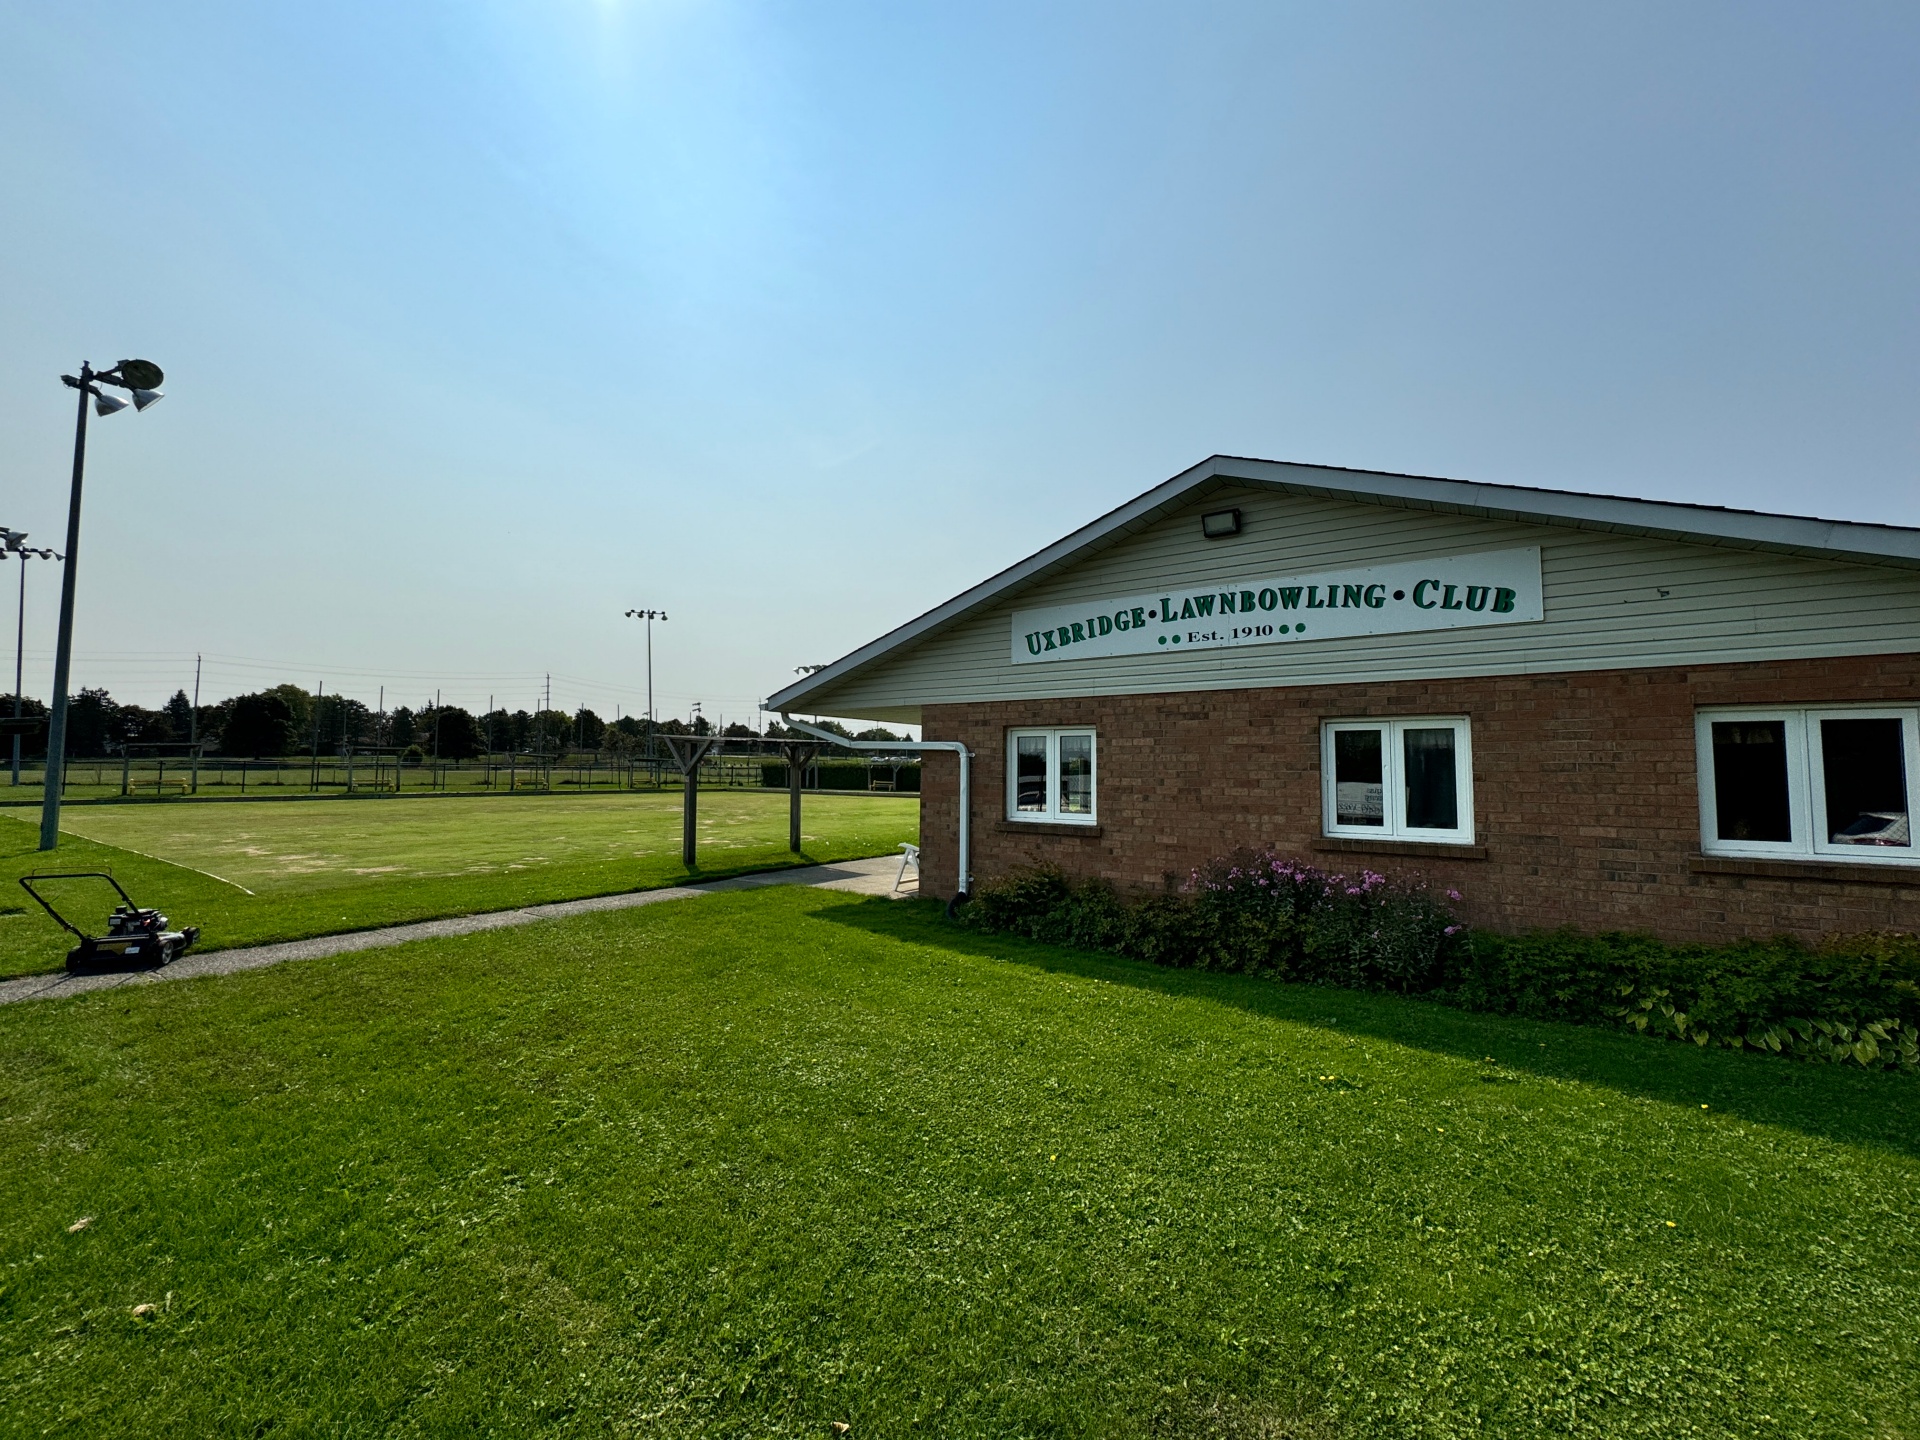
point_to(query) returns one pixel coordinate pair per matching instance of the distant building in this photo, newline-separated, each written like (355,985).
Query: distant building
(1577,709)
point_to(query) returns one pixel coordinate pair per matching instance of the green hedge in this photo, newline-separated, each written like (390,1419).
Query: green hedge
(1855,998)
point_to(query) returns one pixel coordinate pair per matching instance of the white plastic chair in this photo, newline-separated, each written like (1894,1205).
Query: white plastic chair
(909,855)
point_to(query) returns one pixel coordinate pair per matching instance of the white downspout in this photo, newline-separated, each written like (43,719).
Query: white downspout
(966,790)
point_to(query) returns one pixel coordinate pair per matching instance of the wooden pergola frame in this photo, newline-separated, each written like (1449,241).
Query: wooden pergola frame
(689,751)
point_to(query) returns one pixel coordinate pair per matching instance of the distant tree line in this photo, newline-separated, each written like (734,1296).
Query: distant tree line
(288,720)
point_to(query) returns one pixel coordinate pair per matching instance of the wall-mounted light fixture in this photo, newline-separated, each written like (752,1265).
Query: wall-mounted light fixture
(1220,524)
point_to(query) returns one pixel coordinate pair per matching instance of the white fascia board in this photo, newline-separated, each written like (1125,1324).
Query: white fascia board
(1663,519)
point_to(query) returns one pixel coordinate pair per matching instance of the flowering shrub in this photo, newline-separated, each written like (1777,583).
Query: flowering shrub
(1254,912)
(1853,999)
(1261,912)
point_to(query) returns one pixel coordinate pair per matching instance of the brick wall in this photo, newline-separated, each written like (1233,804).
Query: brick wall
(1584,794)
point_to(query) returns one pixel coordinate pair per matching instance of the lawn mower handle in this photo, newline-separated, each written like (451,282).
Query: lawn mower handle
(60,919)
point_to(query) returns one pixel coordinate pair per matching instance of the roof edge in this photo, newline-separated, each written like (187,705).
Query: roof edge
(1856,541)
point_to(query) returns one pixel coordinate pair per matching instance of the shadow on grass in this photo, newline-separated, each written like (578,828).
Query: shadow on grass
(1834,1102)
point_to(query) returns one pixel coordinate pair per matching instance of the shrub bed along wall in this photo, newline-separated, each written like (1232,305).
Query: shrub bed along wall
(1852,999)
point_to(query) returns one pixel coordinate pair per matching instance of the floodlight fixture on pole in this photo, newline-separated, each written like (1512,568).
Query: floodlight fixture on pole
(13,542)
(136,376)
(649,616)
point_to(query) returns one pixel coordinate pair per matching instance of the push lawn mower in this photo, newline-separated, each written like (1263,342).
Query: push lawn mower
(136,939)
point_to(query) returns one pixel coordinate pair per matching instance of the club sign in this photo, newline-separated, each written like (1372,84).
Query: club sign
(1494,587)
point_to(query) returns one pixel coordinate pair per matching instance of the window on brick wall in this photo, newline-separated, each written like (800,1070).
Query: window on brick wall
(1050,776)
(1802,783)
(1398,779)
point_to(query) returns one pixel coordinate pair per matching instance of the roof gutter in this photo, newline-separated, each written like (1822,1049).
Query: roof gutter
(965,891)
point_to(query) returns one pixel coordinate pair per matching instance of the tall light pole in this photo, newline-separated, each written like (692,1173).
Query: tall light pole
(142,379)
(12,540)
(649,616)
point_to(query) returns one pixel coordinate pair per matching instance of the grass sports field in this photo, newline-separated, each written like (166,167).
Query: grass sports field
(756,1163)
(319,866)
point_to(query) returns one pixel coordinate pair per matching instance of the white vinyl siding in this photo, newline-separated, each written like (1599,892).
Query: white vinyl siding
(1820,783)
(1612,601)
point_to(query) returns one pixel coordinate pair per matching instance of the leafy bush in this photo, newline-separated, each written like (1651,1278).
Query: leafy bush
(1855,998)
(1253,912)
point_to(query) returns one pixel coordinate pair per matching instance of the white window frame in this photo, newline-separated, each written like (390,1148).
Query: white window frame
(1806,784)
(1052,814)
(1393,783)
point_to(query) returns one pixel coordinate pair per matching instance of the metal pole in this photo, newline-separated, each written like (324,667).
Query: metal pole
(649,684)
(314,783)
(19,658)
(63,649)
(193,727)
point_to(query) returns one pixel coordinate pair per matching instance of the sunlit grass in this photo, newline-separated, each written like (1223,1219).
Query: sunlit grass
(319,866)
(750,1164)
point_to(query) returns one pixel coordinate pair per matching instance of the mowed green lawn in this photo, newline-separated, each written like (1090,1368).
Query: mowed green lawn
(752,1164)
(254,871)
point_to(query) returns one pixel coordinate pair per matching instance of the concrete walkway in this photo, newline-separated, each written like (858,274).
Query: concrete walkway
(862,877)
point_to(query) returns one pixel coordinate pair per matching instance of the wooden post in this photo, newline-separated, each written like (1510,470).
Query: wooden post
(799,756)
(688,751)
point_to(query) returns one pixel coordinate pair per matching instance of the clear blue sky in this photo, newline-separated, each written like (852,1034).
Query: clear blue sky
(485,321)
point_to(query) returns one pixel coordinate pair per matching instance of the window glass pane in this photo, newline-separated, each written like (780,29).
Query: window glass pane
(1864,765)
(1358,792)
(1433,791)
(1076,774)
(1750,780)
(1030,773)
